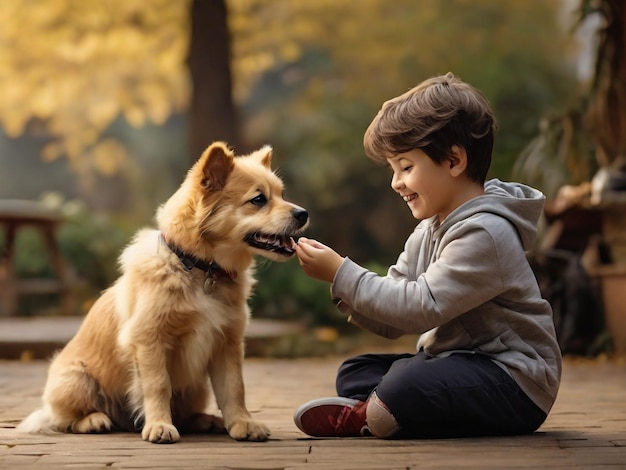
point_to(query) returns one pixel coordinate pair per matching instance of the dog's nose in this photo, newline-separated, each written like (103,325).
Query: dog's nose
(301,215)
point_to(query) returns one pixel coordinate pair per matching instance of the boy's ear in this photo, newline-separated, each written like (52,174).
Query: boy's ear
(457,160)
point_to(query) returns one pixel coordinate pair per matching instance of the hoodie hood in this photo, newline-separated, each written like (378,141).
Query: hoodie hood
(521,205)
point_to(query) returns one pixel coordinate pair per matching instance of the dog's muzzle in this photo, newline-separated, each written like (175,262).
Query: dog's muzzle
(280,243)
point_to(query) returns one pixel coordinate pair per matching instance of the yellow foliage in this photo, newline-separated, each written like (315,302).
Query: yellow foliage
(135,115)
(52,151)
(107,156)
(378,40)
(78,65)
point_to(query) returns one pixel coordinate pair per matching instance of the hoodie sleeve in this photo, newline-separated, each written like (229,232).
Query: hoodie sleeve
(374,326)
(396,271)
(465,275)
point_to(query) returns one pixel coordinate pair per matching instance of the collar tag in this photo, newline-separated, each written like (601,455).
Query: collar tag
(209,284)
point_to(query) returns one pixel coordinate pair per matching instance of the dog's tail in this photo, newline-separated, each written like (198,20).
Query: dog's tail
(39,421)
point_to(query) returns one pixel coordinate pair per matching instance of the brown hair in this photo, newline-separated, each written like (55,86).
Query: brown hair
(433,116)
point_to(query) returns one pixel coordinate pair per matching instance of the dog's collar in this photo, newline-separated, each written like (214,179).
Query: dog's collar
(211,268)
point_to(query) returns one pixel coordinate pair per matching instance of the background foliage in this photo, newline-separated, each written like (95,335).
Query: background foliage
(98,91)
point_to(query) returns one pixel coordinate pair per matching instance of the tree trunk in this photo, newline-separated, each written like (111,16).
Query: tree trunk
(212,114)
(607,104)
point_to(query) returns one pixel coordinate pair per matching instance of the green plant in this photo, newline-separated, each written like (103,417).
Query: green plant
(285,292)
(90,245)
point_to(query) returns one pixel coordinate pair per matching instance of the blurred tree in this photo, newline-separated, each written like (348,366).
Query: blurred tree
(212,114)
(307,77)
(571,145)
(319,72)
(72,68)
(607,99)
(127,58)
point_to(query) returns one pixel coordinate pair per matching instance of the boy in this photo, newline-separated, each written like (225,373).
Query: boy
(487,361)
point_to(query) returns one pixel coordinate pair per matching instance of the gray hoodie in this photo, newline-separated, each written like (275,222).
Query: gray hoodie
(466,286)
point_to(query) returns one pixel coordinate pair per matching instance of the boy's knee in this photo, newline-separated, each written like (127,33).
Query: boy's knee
(380,421)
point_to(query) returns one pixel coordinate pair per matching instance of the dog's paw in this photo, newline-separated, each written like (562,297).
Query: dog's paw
(204,423)
(93,423)
(245,430)
(160,433)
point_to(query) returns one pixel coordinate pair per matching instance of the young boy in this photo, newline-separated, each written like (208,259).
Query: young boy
(487,361)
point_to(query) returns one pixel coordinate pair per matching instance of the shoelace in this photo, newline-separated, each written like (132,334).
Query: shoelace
(343,420)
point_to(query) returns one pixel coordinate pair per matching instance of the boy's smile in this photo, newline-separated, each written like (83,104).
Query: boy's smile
(420,182)
(429,188)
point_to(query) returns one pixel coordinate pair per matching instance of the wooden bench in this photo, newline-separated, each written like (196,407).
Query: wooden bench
(14,215)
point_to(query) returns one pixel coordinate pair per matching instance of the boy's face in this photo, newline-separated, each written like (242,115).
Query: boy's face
(427,188)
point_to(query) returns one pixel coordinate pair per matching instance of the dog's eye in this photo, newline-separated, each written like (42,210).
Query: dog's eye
(259,200)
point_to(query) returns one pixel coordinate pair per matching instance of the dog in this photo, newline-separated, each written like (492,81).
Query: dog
(172,326)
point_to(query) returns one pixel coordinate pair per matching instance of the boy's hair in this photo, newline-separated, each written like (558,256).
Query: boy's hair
(433,116)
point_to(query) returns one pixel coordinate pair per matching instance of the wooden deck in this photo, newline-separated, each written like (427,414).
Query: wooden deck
(586,429)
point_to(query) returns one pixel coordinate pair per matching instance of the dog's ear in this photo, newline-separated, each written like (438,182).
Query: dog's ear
(217,165)
(265,156)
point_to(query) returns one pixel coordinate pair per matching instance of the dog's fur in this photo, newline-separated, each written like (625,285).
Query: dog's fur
(143,357)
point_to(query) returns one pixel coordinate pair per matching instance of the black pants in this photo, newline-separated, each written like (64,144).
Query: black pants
(454,396)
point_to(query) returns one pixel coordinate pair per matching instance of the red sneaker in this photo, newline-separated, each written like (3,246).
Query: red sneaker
(332,417)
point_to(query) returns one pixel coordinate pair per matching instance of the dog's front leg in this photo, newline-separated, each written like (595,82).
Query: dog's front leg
(157,393)
(227,379)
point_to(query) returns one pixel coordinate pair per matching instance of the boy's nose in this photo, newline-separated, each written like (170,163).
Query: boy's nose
(396,183)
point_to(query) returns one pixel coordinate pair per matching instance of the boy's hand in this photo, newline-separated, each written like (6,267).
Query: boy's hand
(317,260)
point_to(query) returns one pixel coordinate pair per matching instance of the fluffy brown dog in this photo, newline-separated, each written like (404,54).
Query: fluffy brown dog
(176,317)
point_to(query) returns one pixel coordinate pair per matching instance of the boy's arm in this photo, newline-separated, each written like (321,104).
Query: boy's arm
(466,275)
(373,326)
(397,271)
